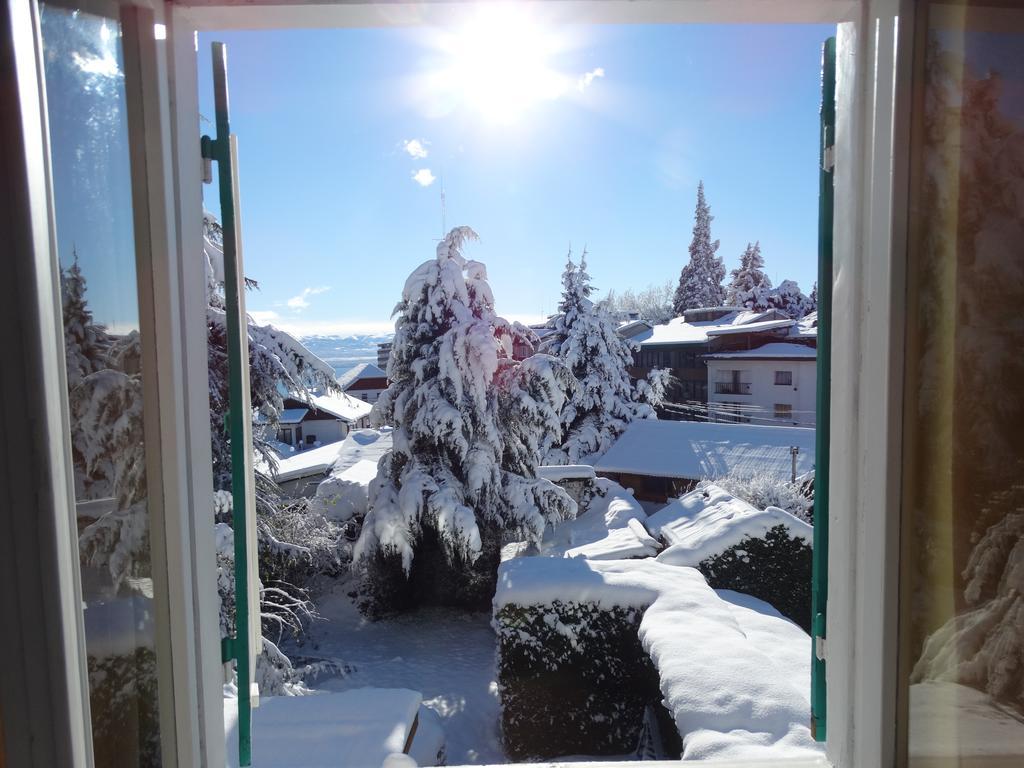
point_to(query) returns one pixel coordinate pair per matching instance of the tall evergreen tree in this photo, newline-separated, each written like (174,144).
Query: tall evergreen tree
(455,480)
(700,282)
(85,342)
(788,298)
(605,400)
(750,285)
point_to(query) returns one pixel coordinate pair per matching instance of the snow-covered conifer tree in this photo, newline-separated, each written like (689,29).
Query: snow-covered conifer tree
(700,283)
(605,400)
(750,286)
(787,297)
(457,478)
(85,342)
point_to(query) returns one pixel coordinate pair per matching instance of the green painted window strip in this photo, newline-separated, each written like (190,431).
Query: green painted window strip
(237,647)
(826,206)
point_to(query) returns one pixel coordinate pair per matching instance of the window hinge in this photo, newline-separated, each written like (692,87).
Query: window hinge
(828,160)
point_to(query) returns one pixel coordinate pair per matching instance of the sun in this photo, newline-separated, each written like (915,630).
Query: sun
(498,64)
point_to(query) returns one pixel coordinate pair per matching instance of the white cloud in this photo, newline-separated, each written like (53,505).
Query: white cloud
(424,177)
(415,148)
(300,302)
(587,78)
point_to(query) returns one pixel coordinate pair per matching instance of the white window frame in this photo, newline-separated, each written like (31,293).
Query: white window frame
(870,199)
(870,186)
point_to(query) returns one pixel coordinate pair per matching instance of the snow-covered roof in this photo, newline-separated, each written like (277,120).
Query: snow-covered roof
(315,461)
(362,444)
(778,350)
(806,327)
(706,522)
(361,371)
(752,327)
(692,450)
(342,406)
(560,472)
(678,331)
(292,415)
(734,673)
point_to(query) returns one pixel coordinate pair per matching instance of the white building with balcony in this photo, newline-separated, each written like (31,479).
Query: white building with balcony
(773,384)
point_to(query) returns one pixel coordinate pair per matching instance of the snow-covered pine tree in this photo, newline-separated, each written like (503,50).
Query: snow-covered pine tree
(456,479)
(85,342)
(700,283)
(605,401)
(787,297)
(750,286)
(105,401)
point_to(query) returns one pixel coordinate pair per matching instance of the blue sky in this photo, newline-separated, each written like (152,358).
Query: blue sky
(602,148)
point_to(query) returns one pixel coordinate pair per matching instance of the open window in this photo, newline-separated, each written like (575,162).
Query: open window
(900,605)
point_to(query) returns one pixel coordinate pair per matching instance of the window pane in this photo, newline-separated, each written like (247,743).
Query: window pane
(92,193)
(962,604)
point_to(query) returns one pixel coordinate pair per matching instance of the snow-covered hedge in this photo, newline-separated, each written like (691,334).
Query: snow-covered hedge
(732,672)
(765,553)
(574,679)
(775,568)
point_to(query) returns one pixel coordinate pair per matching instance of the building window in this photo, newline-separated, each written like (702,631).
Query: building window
(731,383)
(784,411)
(284,435)
(784,378)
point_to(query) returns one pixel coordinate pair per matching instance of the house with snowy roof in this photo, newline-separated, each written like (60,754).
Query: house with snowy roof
(773,384)
(365,382)
(684,343)
(660,459)
(320,420)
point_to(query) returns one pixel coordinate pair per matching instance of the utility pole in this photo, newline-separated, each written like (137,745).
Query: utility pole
(793,451)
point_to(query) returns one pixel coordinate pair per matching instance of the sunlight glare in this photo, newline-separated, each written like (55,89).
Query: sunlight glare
(498,64)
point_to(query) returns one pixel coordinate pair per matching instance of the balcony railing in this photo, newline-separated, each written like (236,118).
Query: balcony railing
(732,387)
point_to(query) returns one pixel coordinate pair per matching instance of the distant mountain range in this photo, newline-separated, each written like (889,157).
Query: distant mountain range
(345,352)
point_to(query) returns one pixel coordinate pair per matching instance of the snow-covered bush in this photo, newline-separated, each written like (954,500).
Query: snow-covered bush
(316,545)
(282,611)
(574,679)
(458,477)
(775,568)
(604,401)
(700,282)
(765,489)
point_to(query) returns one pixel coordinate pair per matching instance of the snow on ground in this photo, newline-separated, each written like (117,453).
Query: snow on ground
(706,522)
(611,529)
(447,655)
(355,729)
(948,719)
(734,695)
(692,450)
